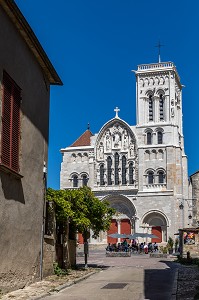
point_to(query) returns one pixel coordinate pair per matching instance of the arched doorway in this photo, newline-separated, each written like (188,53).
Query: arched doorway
(156,223)
(124,219)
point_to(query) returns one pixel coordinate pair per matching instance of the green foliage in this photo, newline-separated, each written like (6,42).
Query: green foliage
(170,243)
(83,210)
(163,249)
(58,271)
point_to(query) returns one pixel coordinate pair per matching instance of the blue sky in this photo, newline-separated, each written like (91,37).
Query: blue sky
(94,45)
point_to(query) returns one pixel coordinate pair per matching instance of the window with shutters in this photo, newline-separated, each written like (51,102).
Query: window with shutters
(10,134)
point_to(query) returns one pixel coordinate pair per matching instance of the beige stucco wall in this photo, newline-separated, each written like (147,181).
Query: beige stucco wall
(21,200)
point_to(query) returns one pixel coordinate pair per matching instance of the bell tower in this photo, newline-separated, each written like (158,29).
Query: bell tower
(159,98)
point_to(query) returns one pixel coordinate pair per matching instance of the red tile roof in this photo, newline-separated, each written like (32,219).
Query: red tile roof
(83,140)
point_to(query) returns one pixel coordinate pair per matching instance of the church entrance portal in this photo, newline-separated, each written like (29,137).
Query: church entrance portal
(119,226)
(156,223)
(124,219)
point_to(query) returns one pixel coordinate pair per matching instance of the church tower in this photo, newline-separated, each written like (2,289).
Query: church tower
(141,170)
(162,161)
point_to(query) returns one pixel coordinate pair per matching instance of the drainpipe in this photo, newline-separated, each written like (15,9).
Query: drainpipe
(43,221)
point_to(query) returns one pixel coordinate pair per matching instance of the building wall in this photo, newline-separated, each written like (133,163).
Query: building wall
(195,190)
(146,205)
(21,200)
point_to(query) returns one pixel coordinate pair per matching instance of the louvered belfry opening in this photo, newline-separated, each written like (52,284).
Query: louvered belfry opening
(10,123)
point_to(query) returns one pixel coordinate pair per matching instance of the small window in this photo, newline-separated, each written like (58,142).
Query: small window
(160,137)
(84,180)
(149,138)
(150,177)
(75,181)
(161,177)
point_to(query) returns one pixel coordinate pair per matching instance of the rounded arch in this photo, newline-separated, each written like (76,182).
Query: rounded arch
(149,92)
(157,222)
(73,174)
(108,127)
(148,130)
(84,174)
(122,204)
(149,215)
(160,92)
(159,129)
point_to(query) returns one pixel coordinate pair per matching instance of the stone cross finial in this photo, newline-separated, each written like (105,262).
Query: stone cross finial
(159,46)
(116,112)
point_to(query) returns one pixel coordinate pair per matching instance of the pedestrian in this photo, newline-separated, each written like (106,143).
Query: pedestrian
(145,248)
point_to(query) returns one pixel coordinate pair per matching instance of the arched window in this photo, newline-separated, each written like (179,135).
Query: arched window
(123,169)
(150,108)
(161,107)
(109,171)
(160,137)
(116,168)
(131,180)
(150,176)
(84,180)
(161,177)
(75,181)
(102,175)
(149,138)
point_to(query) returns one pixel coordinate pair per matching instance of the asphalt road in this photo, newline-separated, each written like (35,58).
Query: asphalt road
(137,277)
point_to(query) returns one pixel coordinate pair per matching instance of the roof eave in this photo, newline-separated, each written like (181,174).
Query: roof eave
(31,40)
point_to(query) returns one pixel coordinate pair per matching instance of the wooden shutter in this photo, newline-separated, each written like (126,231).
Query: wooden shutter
(10,123)
(15,125)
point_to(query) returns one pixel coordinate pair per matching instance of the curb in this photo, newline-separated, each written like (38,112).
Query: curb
(175,286)
(65,285)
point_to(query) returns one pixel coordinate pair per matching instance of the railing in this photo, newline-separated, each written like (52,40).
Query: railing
(155,186)
(155,66)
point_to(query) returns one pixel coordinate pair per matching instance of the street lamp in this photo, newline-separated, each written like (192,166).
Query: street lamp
(190,216)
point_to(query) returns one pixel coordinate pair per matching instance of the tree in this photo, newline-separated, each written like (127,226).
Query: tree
(82,210)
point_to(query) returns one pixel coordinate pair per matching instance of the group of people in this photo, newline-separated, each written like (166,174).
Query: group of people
(134,247)
(148,248)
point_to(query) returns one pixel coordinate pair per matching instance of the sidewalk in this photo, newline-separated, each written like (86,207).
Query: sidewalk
(185,280)
(54,283)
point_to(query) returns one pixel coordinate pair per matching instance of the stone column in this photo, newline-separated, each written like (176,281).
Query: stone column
(119,229)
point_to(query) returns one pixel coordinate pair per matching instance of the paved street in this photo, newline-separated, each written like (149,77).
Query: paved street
(135,277)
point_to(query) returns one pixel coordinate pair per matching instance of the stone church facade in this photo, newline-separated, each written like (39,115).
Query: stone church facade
(142,169)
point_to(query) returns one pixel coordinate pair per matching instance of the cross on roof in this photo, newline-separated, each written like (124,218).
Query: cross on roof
(159,46)
(116,112)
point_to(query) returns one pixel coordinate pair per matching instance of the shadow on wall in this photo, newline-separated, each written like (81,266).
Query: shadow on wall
(12,187)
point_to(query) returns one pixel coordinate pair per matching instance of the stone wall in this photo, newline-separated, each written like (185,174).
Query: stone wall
(195,194)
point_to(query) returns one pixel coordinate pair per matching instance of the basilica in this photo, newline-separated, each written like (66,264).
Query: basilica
(140,169)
